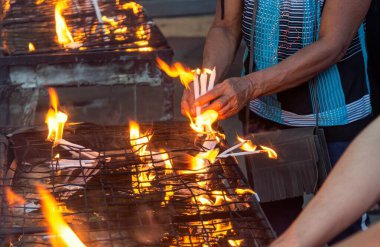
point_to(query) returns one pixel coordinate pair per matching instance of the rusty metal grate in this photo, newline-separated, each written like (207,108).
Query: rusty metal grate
(106,203)
(127,29)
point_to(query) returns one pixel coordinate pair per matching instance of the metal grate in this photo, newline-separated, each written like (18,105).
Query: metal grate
(122,29)
(108,204)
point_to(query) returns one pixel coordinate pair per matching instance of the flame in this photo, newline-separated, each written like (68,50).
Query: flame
(31,47)
(63,235)
(271,153)
(63,33)
(139,144)
(168,170)
(235,242)
(55,119)
(135,7)
(177,70)
(13,198)
(198,162)
(38,2)
(248,145)
(203,123)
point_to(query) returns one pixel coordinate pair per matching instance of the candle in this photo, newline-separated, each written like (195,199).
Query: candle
(196,90)
(212,79)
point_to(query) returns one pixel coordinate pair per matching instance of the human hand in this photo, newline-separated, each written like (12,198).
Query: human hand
(228,97)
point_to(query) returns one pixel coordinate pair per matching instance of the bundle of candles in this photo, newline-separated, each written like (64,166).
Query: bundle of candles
(203,82)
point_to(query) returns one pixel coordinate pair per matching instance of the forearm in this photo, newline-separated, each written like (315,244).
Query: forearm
(340,22)
(351,188)
(220,49)
(296,69)
(223,39)
(369,238)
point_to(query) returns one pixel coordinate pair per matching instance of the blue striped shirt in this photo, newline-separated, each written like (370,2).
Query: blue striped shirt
(282,28)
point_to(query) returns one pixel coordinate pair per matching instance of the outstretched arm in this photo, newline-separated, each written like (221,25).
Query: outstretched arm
(352,188)
(340,22)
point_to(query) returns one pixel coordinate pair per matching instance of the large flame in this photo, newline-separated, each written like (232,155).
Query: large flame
(177,70)
(203,123)
(13,198)
(55,119)
(62,234)
(63,33)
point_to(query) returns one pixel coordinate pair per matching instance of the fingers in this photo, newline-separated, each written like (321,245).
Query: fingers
(217,105)
(216,92)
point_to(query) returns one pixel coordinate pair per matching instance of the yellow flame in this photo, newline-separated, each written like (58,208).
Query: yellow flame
(248,145)
(271,153)
(62,234)
(13,198)
(55,119)
(38,2)
(177,70)
(203,123)
(31,47)
(235,242)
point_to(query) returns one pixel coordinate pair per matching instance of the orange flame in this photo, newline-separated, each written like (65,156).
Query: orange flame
(248,145)
(198,163)
(63,235)
(31,47)
(63,33)
(138,143)
(203,123)
(13,198)
(271,153)
(55,119)
(177,70)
